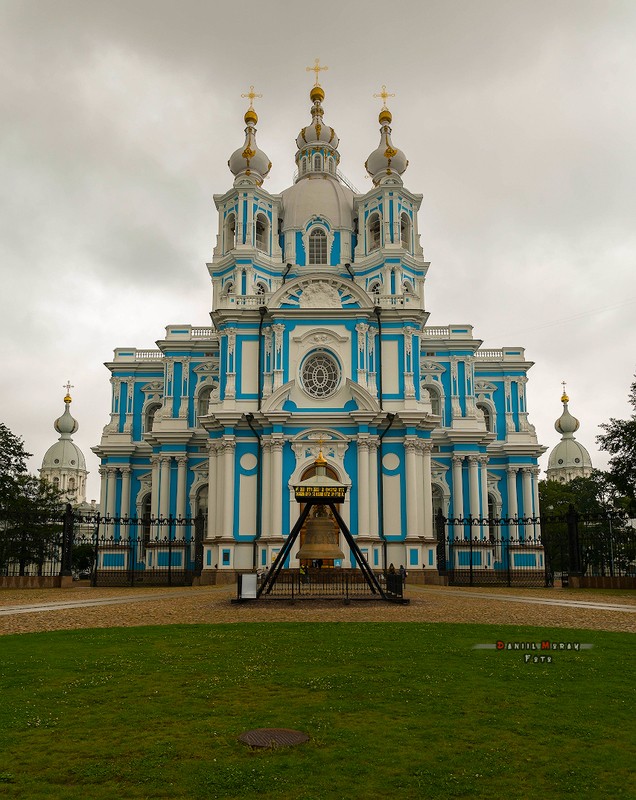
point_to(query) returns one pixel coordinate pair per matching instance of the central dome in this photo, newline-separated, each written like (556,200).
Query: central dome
(318,195)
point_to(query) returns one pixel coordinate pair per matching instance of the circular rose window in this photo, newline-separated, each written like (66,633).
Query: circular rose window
(320,375)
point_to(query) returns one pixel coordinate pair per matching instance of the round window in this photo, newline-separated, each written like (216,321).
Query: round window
(320,375)
(560,461)
(577,460)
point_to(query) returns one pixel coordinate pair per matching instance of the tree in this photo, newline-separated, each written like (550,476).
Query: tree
(619,440)
(594,495)
(13,458)
(30,510)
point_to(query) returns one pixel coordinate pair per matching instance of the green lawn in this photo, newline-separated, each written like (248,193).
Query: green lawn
(401,710)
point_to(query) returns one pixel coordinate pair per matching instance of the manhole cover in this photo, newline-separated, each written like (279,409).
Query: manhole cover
(273,737)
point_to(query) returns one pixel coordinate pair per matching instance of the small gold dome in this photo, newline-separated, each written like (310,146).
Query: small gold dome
(385,116)
(317,93)
(320,461)
(565,398)
(250,116)
(67,398)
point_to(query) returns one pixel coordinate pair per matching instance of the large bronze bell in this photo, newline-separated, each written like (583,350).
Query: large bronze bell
(321,538)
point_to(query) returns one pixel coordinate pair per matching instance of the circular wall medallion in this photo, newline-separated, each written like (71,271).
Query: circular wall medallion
(320,375)
(248,461)
(391,461)
(273,737)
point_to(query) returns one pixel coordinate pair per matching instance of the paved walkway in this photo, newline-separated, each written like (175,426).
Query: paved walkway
(27,611)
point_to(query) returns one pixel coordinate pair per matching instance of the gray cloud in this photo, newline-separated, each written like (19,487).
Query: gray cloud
(117,120)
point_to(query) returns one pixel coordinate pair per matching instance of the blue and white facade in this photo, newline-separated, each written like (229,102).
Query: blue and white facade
(318,334)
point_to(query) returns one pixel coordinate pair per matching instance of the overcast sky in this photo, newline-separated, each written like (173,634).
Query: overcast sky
(117,120)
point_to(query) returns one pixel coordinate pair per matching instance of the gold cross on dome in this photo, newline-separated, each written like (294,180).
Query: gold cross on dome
(384,94)
(251,95)
(563,384)
(68,387)
(316,68)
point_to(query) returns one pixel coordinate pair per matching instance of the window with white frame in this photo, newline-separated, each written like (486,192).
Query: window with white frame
(318,246)
(405,231)
(262,233)
(230,232)
(374,232)
(486,411)
(320,375)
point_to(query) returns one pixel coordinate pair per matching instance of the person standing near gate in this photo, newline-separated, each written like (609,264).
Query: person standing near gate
(403,573)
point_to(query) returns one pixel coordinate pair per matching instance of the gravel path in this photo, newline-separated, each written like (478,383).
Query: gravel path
(104,608)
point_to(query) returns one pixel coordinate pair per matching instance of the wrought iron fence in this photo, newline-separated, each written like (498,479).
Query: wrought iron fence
(106,550)
(292,584)
(535,551)
(492,552)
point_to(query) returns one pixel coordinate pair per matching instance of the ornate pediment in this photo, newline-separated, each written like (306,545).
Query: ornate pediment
(428,367)
(483,387)
(320,291)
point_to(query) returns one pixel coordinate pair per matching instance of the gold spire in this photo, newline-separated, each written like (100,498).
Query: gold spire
(385,114)
(250,114)
(68,386)
(564,397)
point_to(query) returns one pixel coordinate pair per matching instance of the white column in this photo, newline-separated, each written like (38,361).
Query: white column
(111,484)
(473,490)
(124,509)
(266,489)
(212,490)
(363,486)
(102,491)
(483,463)
(154,492)
(277,487)
(164,488)
(526,483)
(427,482)
(220,488)
(182,465)
(229,447)
(373,488)
(535,485)
(458,494)
(513,508)
(410,448)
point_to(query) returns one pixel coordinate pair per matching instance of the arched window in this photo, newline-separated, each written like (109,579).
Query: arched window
(317,162)
(374,232)
(375,288)
(203,401)
(438,500)
(262,233)
(230,232)
(229,288)
(56,483)
(407,288)
(487,415)
(71,484)
(303,165)
(146,511)
(405,231)
(492,514)
(261,288)
(317,246)
(150,416)
(436,403)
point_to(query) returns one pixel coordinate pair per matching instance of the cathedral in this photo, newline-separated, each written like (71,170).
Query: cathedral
(319,342)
